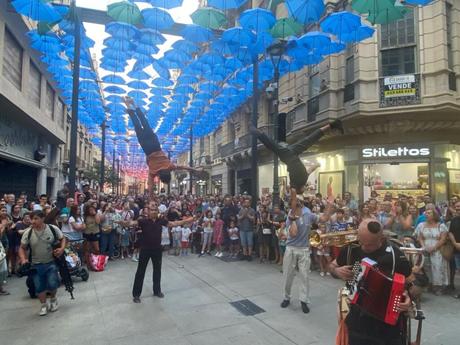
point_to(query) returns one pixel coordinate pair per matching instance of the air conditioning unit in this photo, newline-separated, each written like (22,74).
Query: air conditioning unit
(217,161)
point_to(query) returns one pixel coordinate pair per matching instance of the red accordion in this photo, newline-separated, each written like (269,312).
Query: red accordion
(377,294)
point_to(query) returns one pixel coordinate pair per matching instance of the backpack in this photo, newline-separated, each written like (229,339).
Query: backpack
(55,242)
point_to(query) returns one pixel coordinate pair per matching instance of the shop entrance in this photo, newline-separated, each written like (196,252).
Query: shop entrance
(411,179)
(16,178)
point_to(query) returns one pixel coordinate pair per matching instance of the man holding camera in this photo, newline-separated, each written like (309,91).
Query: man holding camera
(44,244)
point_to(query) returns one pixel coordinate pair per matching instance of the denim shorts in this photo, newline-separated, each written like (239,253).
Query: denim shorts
(457,261)
(247,238)
(46,277)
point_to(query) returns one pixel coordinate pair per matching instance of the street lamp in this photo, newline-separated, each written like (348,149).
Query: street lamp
(276,52)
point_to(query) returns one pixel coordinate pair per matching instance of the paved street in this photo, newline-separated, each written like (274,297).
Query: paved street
(195,311)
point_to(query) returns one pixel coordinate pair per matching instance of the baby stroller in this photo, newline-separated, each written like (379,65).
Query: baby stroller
(73,261)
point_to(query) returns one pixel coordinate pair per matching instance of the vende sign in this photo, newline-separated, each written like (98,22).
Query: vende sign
(402,151)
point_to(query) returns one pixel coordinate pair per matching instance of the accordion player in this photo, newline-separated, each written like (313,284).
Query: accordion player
(366,321)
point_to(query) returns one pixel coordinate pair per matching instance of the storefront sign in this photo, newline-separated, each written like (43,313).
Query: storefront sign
(400,90)
(402,151)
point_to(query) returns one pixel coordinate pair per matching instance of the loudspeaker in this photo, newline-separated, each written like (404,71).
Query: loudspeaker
(282,127)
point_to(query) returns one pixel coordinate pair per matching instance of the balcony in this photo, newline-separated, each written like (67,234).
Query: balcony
(227,149)
(243,142)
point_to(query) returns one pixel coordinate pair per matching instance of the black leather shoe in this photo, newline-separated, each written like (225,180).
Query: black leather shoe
(136,300)
(285,303)
(159,295)
(337,125)
(305,308)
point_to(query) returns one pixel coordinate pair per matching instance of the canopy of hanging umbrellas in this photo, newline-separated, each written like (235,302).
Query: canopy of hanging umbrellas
(205,76)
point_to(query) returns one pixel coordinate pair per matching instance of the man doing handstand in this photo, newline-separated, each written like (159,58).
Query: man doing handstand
(157,160)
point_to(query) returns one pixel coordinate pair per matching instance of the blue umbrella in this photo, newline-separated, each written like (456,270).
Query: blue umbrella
(166,3)
(364,32)
(115,54)
(196,33)
(184,89)
(137,84)
(332,48)
(139,75)
(209,87)
(223,48)
(160,91)
(187,79)
(211,59)
(37,10)
(185,46)
(69,41)
(161,69)
(117,44)
(232,64)
(146,49)
(180,98)
(113,66)
(257,19)
(226,4)
(162,82)
(177,56)
(86,73)
(114,89)
(121,30)
(150,36)
(114,99)
(238,36)
(158,99)
(156,18)
(263,41)
(340,23)
(142,61)
(314,40)
(136,94)
(305,11)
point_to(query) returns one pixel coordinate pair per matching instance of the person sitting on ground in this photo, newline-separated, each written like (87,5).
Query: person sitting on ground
(157,160)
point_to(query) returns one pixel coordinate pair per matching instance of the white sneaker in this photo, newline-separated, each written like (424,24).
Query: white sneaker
(54,305)
(322,274)
(328,273)
(216,255)
(135,259)
(220,255)
(43,310)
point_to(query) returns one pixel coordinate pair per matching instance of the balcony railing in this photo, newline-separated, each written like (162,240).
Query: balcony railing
(243,143)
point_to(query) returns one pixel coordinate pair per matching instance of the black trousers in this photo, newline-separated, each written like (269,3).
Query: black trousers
(145,255)
(145,135)
(289,155)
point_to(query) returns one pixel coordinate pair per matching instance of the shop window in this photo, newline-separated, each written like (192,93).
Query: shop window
(12,60)
(35,78)
(397,178)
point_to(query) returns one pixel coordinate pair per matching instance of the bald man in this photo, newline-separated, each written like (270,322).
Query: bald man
(363,328)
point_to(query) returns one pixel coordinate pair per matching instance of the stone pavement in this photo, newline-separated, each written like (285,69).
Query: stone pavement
(195,311)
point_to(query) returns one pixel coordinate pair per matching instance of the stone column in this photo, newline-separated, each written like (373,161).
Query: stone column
(41,181)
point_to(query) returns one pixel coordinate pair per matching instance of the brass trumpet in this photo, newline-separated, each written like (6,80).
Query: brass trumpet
(336,239)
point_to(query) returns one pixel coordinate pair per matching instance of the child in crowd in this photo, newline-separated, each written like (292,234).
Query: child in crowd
(233,234)
(177,238)
(197,230)
(208,222)
(281,233)
(218,235)
(323,252)
(186,232)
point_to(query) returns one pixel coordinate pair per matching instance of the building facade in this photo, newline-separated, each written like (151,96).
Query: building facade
(397,94)
(34,120)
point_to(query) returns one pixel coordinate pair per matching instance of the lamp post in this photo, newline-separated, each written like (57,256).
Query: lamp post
(276,52)
(102,180)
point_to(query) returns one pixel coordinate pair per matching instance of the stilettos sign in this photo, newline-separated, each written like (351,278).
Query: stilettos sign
(395,152)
